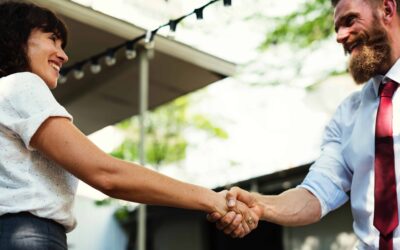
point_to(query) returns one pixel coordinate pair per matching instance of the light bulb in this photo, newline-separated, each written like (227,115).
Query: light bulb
(95,68)
(62,79)
(130,54)
(78,74)
(110,60)
(171,34)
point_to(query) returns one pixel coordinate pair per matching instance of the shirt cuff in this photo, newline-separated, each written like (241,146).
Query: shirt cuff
(327,192)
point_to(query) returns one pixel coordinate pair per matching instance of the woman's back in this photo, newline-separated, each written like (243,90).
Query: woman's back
(29,181)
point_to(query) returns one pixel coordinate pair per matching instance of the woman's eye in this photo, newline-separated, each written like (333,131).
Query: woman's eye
(53,37)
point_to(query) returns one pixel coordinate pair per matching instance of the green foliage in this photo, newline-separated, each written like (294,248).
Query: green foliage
(122,213)
(165,142)
(313,22)
(104,202)
(202,123)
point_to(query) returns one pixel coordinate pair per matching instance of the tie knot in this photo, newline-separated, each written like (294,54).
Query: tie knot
(388,89)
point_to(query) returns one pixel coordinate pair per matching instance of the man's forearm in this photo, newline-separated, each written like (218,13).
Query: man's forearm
(294,207)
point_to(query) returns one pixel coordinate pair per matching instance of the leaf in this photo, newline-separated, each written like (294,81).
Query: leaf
(202,123)
(313,22)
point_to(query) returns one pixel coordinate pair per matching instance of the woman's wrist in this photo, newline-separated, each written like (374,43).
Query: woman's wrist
(210,201)
(215,202)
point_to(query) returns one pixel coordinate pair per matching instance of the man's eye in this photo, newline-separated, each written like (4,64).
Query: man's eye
(349,21)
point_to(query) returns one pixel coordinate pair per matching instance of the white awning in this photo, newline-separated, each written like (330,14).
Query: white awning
(112,95)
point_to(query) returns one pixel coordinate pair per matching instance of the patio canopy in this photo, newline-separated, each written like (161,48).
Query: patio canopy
(112,95)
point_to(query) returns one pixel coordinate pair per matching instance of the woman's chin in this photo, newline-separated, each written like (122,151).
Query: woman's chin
(51,84)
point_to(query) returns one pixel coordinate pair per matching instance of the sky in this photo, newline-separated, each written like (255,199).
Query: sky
(270,127)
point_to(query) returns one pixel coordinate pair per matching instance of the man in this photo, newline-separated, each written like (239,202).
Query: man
(361,144)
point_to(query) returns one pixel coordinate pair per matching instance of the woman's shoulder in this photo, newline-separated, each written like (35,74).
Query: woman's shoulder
(19,82)
(20,77)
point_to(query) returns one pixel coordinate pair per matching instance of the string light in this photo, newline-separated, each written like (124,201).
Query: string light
(130,51)
(199,13)
(173,24)
(95,66)
(78,72)
(62,79)
(172,28)
(110,59)
(227,3)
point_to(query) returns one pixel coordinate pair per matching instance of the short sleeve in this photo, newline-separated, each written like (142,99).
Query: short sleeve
(25,103)
(329,178)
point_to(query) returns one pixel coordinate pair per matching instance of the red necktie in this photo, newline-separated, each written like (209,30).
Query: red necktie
(385,214)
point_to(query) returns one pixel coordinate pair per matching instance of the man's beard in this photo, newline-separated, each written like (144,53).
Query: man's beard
(373,57)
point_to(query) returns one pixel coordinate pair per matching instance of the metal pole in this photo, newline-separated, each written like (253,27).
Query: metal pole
(143,106)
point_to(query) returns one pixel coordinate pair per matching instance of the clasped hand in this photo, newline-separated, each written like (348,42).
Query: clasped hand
(242,213)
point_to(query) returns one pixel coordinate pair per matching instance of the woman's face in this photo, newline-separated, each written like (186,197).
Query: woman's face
(46,56)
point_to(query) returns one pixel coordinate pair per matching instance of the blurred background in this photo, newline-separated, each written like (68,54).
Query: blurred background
(240,97)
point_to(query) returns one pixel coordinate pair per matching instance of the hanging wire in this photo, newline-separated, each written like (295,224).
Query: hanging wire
(130,52)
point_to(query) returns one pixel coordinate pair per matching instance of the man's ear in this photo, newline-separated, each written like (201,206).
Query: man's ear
(389,10)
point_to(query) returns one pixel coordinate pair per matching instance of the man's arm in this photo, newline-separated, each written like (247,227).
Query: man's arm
(294,207)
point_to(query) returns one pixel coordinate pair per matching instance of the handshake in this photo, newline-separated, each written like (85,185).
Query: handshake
(239,213)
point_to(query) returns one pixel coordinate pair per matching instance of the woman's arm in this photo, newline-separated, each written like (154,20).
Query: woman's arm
(62,142)
(59,140)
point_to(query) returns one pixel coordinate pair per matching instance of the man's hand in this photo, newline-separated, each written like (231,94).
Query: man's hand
(243,216)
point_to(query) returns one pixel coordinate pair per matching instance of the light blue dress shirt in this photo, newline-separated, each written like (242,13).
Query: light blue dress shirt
(347,159)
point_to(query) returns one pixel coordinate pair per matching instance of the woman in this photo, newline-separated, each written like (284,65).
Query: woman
(42,153)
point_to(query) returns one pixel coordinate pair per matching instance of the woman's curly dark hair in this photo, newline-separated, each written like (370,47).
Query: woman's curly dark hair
(17,21)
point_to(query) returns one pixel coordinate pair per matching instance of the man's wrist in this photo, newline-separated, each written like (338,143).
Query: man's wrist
(265,204)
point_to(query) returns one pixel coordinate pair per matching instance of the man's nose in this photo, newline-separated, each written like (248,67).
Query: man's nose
(342,35)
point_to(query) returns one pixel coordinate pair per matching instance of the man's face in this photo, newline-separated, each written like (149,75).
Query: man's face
(363,36)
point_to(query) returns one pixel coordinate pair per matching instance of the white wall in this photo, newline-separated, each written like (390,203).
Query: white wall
(97,228)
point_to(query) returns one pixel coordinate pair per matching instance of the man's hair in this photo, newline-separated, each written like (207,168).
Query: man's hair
(373,2)
(17,21)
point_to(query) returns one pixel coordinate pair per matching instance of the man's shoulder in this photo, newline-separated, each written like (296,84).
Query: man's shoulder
(354,100)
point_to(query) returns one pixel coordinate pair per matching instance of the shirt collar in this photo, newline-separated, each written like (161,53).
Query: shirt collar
(392,74)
